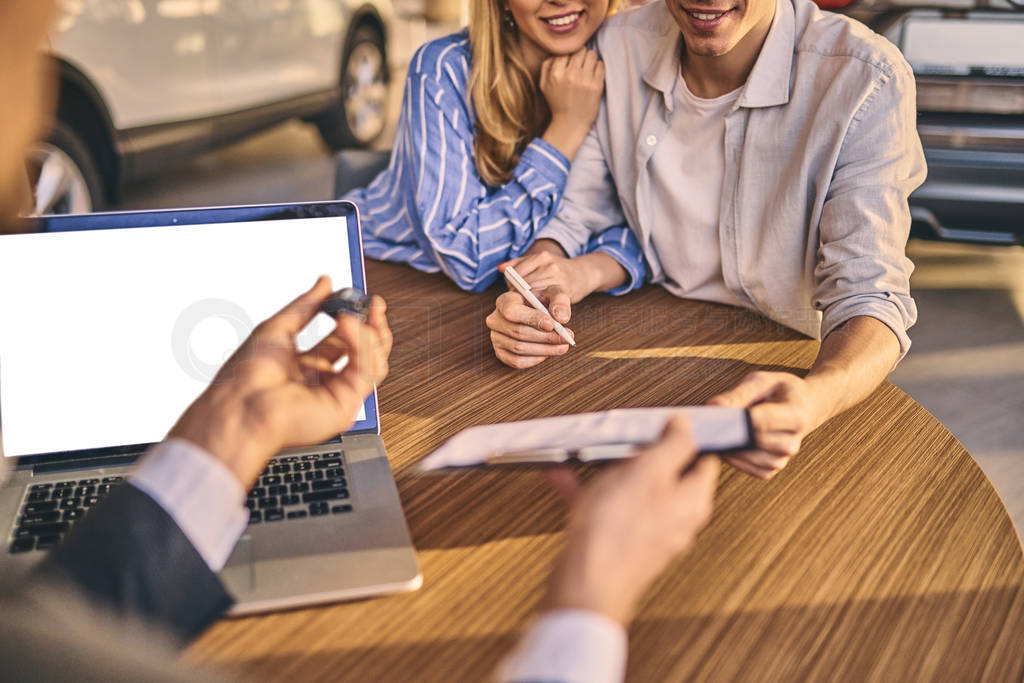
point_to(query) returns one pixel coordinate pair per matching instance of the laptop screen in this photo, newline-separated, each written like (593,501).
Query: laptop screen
(106,335)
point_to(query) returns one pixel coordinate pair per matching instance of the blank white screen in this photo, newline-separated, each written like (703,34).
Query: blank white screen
(106,336)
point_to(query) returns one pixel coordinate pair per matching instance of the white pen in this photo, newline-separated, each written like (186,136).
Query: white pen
(521,286)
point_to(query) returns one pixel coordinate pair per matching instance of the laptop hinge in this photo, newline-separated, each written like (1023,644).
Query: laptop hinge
(350,435)
(84,463)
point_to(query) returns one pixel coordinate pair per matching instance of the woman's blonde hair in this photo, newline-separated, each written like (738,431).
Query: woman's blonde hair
(505,98)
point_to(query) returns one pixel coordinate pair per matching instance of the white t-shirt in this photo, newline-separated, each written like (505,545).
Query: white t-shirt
(686,170)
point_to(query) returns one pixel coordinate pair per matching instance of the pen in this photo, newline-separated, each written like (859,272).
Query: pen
(521,286)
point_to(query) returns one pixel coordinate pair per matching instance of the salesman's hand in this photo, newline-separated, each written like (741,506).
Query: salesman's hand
(783,408)
(630,522)
(269,396)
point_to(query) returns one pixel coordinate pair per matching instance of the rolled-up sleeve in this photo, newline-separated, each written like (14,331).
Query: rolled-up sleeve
(862,265)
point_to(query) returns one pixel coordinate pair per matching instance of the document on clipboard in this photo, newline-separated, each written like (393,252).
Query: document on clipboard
(588,437)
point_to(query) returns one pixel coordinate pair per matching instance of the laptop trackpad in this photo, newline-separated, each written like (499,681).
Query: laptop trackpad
(237,574)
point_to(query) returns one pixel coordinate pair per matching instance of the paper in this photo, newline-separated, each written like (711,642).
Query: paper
(592,436)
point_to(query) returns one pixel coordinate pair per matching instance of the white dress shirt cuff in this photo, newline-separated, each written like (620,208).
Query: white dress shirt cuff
(201,495)
(569,646)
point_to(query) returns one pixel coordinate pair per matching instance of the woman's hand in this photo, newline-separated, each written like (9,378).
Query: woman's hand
(521,335)
(546,266)
(572,85)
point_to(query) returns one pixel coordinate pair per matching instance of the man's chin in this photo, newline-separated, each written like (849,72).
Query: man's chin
(709,52)
(706,47)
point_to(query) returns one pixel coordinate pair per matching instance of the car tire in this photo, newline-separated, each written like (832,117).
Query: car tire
(359,118)
(64,175)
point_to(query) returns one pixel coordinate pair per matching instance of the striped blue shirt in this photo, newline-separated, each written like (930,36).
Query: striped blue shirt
(430,209)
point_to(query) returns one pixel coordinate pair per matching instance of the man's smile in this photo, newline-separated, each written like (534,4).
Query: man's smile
(706,19)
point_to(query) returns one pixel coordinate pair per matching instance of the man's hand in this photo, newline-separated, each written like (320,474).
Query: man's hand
(269,396)
(783,408)
(853,360)
(627,525)
(521,335)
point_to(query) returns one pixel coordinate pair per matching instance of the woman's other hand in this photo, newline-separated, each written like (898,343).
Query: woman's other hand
(572,85)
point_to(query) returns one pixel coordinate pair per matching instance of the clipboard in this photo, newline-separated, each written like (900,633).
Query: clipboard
(587,438)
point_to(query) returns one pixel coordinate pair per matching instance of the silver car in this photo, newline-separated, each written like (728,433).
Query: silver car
(144,83)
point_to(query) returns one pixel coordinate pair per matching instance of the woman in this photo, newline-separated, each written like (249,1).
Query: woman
(491,120)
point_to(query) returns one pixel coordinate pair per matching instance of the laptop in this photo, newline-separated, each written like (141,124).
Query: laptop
(111,324)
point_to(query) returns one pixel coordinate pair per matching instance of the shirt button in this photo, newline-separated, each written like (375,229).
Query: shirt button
(651,140)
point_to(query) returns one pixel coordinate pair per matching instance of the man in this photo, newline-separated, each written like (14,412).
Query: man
(137,576)
(763,151)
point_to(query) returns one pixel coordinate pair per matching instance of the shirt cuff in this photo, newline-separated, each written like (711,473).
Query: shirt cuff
(201,495)
(570,646)
(621,244)
(546,160)
(634,277)
(896,313)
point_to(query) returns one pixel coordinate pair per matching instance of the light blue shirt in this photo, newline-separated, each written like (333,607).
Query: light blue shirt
(207,503)
(820,155)
(430,209)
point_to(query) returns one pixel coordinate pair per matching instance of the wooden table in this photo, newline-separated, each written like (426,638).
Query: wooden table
(881,553)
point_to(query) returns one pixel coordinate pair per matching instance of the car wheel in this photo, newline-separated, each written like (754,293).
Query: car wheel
(63,174)
(362,113)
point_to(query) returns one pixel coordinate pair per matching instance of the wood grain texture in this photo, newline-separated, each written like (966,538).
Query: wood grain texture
(882,553)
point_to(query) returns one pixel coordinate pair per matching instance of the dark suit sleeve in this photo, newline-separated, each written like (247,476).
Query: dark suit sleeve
(130,557)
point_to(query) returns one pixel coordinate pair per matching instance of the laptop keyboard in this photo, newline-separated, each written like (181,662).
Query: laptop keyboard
(50,510)
(300,486)
(291,487)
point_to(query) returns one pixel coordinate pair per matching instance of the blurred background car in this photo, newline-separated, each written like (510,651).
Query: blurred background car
(968,58)
(146,83)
